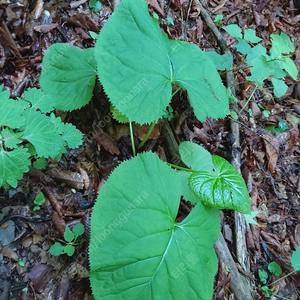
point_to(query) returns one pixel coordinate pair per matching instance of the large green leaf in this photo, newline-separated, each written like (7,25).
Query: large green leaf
(196,157)
(10,110)
(137,65)
(12,165)
(137,250)
(225,188)
(68,75)
(42,134)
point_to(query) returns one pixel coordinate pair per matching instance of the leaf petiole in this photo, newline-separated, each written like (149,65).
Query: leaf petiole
(147,135)
(181,168)
(132,139)
(254,90)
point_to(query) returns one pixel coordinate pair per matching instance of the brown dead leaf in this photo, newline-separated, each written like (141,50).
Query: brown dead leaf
(85,178)
(40,276)
(106,142)
(45,27)
(73,179)
(200,135)
(38,9)
(140,131)
(7,252)
(84,22)
(156,6)
(272,150)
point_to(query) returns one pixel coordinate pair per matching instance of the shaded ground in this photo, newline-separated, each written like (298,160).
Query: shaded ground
(269,162)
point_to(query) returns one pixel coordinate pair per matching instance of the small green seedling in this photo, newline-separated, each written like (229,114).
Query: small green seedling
(275,65)
(218,19)
(266,112)
(275,269)
(38,201)
(71,238)
(21,263)
(282,126)
(95,5)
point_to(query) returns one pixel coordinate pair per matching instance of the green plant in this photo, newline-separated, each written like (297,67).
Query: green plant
(266,112)
(95,5)
(71,239)
(144,251)
(262,65)
(275,269)
(142,246)
(29,131)
(282,126)
(38,201)
(218,19)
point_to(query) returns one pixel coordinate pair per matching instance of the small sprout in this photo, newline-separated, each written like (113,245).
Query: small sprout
(234,115)
(263,276)
(282,126)
(218,19)
(95,5)
(170,20)
(21,263)
(70,237)
(274,268)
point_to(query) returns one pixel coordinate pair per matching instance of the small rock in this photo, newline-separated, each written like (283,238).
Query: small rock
(34,248)
(27,242)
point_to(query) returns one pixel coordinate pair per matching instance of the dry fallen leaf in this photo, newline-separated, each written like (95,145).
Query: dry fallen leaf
(272,150)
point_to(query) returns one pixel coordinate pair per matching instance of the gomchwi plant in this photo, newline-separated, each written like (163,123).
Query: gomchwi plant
(138,249)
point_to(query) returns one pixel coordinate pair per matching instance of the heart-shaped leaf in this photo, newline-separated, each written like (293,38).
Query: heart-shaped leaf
(137,250)
(225,188)
(137,65)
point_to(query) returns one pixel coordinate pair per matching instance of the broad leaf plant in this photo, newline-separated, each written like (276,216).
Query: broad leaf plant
(138,248)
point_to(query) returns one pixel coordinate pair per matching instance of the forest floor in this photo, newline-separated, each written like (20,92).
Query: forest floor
(269,161)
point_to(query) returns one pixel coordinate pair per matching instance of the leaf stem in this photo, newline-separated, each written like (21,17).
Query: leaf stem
(132,139)
(235,69)
(256,87)
(282,277)
(147,135)
(181,168)
(179,88)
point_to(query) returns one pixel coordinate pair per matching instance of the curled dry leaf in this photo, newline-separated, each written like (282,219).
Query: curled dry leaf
(45,27)
(73,179)
(272,149)
(106,142)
